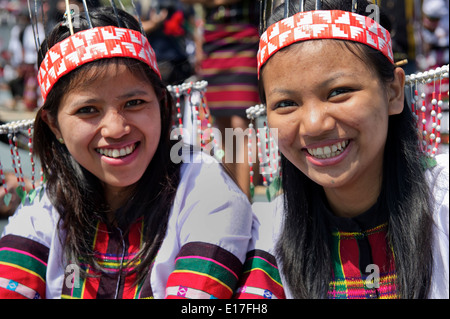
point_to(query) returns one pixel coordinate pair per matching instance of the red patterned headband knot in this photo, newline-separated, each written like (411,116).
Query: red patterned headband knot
(324,24)
(90,45)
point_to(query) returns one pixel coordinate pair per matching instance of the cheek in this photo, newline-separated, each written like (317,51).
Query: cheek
(78,144)
(153,137)
(286,128)
(77,136)
(287,137)
(372,120)
(151,128)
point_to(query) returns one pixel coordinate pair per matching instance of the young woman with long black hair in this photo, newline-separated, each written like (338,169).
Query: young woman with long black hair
(363,214)
(118,218)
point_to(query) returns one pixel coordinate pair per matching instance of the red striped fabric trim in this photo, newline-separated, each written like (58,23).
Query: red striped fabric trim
(203,270)
(228,97)
(261,278)
(101,240)
(235,32)
(226,63)
(206,286)
(135,238)
(23,267)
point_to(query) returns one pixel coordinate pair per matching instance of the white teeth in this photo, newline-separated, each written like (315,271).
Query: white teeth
(328,151)
(115,153)
(334,148)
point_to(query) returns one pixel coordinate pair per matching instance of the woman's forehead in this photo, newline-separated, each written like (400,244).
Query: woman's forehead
(310,54)
(96,73)
(328,55)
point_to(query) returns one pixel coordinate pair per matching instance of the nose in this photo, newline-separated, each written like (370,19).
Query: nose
(315,119)
(114,125)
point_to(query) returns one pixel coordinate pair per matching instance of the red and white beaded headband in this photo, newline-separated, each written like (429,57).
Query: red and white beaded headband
(324,24)
(90,45)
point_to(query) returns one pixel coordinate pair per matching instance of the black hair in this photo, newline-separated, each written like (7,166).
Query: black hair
(75,192)
(304,245)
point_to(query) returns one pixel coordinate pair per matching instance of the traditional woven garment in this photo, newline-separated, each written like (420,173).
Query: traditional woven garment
(114,251)
(350,251)
(192,277)
(356,243)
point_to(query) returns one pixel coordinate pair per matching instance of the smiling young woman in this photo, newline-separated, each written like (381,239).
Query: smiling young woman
(334,124)
(112,127)
(363,213)
(118,218)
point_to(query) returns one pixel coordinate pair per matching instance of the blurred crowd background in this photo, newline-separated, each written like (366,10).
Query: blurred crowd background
(420,34)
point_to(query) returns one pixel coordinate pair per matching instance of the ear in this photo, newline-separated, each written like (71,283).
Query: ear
(52,123)
(396,92)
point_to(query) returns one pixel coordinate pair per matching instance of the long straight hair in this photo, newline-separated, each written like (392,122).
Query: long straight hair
(76,193)
(304,247)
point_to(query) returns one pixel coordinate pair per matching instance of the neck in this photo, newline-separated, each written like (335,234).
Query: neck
(116,197)
(353,200)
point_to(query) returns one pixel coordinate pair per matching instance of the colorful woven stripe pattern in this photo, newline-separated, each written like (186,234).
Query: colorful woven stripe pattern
(352,252)
(203,271)
(23,267)
(115,258)
(90,45)
(324,24)
(261,277)
(230,68)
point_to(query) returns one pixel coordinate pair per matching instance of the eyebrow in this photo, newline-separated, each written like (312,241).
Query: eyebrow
(133,93)
(321,85)
(127,95)
(335,77)
(282,91)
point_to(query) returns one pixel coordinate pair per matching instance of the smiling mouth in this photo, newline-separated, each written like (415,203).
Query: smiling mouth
(117,152)
(328,151)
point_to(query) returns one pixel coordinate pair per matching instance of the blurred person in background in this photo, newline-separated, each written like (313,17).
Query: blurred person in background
(169,25)
(434,34)
(226,58)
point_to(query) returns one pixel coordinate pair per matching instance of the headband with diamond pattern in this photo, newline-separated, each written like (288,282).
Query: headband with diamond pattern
(90,45)
(324,24)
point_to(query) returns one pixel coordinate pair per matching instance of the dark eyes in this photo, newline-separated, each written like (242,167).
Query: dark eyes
(339,91)
(86,110)
(93,109)
(134,103)
(335,96)
(286,103)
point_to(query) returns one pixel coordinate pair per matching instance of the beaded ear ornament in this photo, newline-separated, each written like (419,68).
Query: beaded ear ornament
(19,132)
(266,148)
(198,131)
(427,94)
